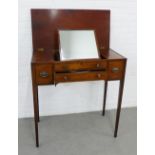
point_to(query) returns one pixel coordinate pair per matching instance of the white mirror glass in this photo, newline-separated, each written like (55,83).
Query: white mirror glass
(77,44)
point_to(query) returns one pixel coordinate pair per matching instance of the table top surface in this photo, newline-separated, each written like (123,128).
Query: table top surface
(50,56)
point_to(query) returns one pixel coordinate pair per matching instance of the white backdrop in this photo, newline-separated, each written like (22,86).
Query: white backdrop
(81,96)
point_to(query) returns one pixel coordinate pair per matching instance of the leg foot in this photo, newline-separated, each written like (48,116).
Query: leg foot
(119,106)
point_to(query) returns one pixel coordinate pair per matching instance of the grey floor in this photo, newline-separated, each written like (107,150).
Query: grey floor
(81,134)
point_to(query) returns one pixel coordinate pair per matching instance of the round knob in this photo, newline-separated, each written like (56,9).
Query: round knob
(65,77)
(98,65)
(99,75)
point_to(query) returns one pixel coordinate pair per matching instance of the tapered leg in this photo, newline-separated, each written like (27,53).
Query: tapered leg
(35,103)
(38,106)
(105,97)
(121,86)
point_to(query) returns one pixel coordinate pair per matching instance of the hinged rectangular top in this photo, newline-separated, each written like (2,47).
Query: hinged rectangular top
(47,22)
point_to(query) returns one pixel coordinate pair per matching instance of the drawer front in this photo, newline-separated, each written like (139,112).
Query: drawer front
(80,65)
(80,76)
(116,69)
(44,74)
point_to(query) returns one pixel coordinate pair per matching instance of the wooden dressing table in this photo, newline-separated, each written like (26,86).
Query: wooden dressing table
(47,66)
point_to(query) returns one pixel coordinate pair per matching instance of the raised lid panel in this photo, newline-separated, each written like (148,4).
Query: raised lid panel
(46,22)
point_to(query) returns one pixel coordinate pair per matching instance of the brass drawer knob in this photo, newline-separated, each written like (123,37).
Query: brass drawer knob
(65,77)
(98,65)
(40,49)
(43,74)
(99,75)
(102,48)
(115,69)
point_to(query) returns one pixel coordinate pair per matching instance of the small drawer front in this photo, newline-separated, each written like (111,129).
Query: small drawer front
(44,74)
(116,70)
(80,76)
(80,65)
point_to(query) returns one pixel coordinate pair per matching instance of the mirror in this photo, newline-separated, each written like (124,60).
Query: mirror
(77,44)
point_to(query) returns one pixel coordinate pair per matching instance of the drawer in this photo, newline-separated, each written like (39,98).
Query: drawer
(116,69)
(44,74)
(80,76)
(80,65)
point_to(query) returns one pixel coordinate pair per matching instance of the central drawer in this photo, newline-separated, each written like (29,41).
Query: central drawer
(80,76)
(80,65)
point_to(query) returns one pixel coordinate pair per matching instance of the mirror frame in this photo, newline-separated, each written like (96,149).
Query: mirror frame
(96,41)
